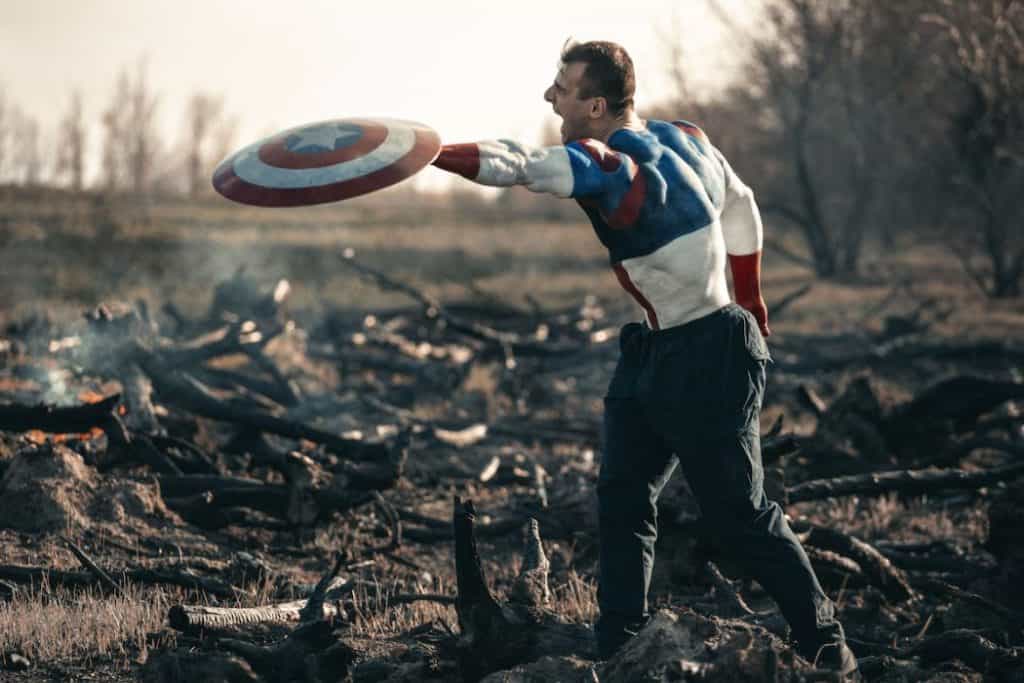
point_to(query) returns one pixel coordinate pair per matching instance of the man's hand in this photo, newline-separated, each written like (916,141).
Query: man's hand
(746,280)
(760,311)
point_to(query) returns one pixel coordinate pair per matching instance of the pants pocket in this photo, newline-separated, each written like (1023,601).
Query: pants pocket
(754,341)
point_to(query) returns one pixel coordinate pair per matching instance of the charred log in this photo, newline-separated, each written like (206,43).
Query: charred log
(189,617)
(34,575)
(67,420)
(910,482)
(188,393)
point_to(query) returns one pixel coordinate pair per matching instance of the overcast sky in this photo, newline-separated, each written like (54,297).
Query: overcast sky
(470,69)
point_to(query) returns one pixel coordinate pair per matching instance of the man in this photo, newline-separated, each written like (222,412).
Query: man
(689,382)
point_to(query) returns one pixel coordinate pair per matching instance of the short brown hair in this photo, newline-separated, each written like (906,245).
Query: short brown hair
(608,74)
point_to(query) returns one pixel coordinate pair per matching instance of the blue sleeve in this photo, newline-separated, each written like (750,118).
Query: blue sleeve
(599,172)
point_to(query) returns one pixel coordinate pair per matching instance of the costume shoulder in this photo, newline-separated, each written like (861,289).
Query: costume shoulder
(692,130)
(598,169)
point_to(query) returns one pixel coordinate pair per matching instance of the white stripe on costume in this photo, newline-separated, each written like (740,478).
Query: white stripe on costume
(684,279)
(542,169)
(741,220)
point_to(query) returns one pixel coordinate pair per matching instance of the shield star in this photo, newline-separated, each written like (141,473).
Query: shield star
(321,138)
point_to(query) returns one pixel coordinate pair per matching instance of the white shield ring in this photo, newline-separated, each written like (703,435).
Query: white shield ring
(326,161)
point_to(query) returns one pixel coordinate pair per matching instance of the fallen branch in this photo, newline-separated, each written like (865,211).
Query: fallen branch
(972,648)
(22,574)
(912,482)
(877,569)
(777,307)
(89,564)
(182,390)
(433,309)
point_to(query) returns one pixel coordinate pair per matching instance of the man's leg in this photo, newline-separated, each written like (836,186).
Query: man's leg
(712,423)
(754,531)
(634,468)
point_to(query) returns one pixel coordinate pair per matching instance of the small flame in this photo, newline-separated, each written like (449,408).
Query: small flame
(36,436)
(39,437)
(89,396)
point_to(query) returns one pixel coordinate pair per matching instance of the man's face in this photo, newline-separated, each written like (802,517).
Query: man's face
(563,95)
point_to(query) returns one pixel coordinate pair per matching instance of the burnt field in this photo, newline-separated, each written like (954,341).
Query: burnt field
(254,445)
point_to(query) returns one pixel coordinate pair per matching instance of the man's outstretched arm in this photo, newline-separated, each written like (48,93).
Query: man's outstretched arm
(744,237)
(583,168)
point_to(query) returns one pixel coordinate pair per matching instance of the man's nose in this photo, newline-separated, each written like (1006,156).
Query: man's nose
(549,95)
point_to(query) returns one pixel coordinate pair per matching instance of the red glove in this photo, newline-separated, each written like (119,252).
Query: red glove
(746,280)
(463,159)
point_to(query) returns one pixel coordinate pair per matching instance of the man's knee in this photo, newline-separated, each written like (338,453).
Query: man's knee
(627,509)
(745,521)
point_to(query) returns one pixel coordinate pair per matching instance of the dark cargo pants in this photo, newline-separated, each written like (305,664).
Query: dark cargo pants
(691,395)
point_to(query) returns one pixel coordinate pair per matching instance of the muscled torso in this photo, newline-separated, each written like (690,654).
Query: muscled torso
(662,200)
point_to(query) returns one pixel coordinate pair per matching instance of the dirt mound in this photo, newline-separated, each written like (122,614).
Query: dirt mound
(49,488)
(679,644)
(46,488)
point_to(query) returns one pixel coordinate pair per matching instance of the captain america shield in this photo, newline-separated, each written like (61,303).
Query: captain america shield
(326,161)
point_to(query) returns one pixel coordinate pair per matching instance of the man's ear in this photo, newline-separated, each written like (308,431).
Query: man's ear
(598,107)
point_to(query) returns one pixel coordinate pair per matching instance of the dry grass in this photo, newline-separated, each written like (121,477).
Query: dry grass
(576,599)
(56,625)
(912,519)
(376,617)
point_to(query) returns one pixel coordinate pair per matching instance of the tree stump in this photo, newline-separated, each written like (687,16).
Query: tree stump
(498,636)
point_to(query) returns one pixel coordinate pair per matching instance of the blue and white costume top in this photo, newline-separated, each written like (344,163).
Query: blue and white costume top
(664,201)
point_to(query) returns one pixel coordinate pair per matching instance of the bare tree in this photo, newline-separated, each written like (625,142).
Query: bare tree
(71,144)
(684,98)
(204,116)
(141,131)
(986,60)
(114,125)
(131,145)
(4,134)
(818,112)
(224,139)
(25,153)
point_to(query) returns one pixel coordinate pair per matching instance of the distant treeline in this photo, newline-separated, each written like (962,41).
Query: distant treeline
(132,154)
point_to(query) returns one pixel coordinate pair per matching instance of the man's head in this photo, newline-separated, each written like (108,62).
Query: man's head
(593,89)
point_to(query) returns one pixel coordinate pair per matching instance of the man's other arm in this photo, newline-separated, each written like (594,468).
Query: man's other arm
(744,238)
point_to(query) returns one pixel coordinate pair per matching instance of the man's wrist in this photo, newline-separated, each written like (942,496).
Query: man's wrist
(463,159)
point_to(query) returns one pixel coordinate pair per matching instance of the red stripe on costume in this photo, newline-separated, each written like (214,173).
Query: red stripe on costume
(692,131)
(605,157)
(746,277)
(628,285)
(463,159)
(629,208)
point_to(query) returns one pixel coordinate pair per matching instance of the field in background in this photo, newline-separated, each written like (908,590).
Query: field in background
(54,257)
